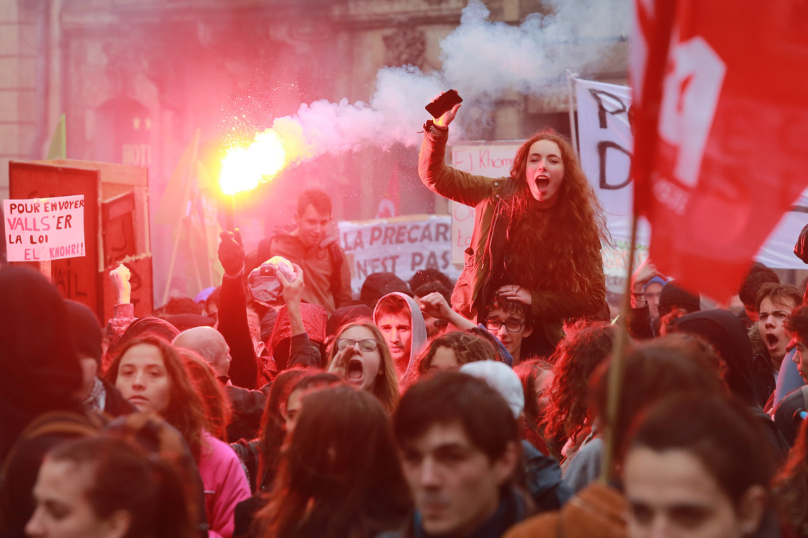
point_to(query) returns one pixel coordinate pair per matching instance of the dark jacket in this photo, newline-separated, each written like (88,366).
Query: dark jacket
(787,414)
(236,331)
(488,243)
(640,324)
(247,407)
(543,479)
(513,508)
(728,337)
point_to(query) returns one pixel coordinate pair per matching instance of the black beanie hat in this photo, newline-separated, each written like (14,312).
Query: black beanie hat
(84,331)
(674,296)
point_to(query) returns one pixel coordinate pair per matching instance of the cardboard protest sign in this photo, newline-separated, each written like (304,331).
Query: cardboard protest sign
(41,229)
(401,246)
(489,159)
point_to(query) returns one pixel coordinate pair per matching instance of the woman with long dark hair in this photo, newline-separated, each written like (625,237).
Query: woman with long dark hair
(537,234)
(150,374)
(340,474)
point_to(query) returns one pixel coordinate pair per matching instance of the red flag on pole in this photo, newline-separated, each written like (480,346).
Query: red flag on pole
(721,96)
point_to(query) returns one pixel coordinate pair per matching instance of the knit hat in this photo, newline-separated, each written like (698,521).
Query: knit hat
(377,285)
(657,280)
(501,378)
(84,331)
(183,322)
(674,296)
(347,314)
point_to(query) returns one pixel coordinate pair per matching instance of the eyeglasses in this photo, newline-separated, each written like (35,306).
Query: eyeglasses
(512,326)
(367,344)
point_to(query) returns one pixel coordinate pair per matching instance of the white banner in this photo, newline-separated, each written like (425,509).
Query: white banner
(606,148)
(42,229)
(401,245)
(489,159)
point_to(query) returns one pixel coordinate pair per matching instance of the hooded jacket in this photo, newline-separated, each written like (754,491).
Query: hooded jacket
(418,326)
(727,335)
(548,307)
(40,375)
(40,371)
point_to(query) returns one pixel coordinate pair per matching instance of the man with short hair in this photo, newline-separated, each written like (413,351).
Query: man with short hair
(400,321)
(757,276)
(774,304)
(460,450)
(328,277)
(247,405)
(510,322)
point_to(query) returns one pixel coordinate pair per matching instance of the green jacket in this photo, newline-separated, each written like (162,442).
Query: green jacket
(549,307)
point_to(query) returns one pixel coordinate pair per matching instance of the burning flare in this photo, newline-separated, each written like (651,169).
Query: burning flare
(244,168)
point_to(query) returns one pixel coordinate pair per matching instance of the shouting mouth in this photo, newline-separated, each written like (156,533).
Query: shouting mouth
(542,183)
(772,341)
(356,371)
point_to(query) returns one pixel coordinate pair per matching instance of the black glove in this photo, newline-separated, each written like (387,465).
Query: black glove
(231,252)
(801,248)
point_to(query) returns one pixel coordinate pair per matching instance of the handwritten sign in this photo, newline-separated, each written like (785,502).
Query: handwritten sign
(489,159)
(401,246)
(42,229)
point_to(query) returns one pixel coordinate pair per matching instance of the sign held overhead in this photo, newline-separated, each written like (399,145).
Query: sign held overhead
(42,229)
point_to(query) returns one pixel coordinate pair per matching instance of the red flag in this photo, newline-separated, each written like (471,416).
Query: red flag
(388,205)
(721,128)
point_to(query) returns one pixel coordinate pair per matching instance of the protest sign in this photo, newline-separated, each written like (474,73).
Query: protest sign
(606,146)
(402,246)
(489,159)
(41,229)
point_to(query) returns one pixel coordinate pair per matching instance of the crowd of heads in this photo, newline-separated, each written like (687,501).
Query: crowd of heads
(389,417)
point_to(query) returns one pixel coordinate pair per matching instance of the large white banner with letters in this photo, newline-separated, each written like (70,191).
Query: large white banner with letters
(606,148)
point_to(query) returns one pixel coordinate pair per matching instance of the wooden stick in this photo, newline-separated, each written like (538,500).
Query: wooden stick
(186,189)
(230,213)
(615,379)
(571,97)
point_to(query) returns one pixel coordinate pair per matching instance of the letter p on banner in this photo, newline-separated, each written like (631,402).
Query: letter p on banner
(717,86)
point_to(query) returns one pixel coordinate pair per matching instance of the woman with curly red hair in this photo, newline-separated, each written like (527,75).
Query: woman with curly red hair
(568,417)
(537,234)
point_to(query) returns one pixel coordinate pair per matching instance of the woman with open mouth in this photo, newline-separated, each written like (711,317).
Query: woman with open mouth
(360,355)
(537,233)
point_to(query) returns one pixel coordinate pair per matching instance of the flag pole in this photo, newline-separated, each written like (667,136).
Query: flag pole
(571,98)
(230,212)
(615,379)
(187,172)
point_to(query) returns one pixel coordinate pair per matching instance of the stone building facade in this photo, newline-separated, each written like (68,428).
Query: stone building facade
(137,78)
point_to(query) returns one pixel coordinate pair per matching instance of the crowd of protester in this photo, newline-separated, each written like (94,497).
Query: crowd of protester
(429,408)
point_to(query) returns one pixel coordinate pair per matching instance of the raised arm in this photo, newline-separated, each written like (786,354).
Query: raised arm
(444,180)
(233,323)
